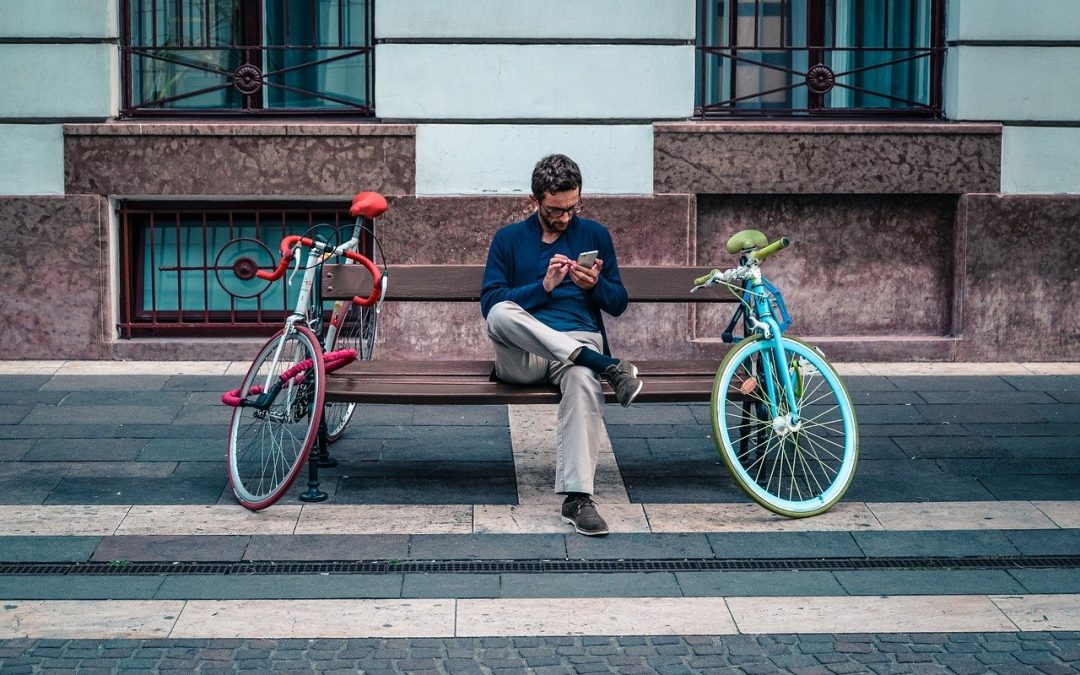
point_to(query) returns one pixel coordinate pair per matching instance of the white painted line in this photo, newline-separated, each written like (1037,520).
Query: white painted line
(1065,368)
(593,616)
(1041,612)
(448,617)
(937,369)
(29,367)
(315,619)
(33,520)
(1005,515)
(1064,514)
(546,519)
(385,519)
(292,518)
(532,437)
(218,519)
(846,516)
(143,368)
(88,619)
(869,614)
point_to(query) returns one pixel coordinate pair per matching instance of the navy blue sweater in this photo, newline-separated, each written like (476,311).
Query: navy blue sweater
(511,271)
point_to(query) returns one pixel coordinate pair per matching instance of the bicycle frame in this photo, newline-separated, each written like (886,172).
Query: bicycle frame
(760,318)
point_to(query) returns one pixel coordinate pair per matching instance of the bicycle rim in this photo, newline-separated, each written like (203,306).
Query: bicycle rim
(357,331)
(269,444)
(795,473)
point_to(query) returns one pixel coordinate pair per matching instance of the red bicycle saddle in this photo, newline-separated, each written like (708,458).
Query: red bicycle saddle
(370,205)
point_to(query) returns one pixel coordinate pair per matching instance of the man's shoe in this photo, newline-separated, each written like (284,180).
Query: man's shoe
(581,513)
(622,377)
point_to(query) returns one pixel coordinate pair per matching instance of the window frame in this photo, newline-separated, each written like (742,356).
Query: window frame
(251,23)
(815,50)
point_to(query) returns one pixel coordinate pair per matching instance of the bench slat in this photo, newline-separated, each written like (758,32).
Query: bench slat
(467,383)
(461,283)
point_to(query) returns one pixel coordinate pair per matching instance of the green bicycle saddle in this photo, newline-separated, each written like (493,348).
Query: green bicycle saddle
(745,240)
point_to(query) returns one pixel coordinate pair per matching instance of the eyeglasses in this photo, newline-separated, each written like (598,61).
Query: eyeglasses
(551,212)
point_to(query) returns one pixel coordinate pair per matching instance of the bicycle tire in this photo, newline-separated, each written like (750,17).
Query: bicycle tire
(357,331)
(269,445)
(818,459)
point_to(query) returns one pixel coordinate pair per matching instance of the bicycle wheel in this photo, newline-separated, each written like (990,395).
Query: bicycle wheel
(794,470)
(357,331)
(275,427)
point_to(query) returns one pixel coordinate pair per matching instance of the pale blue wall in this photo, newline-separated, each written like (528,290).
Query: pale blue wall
(533,71)
(58,61)
(558,19)
(468,82)
(499,158)
(1019,63)
(31,159)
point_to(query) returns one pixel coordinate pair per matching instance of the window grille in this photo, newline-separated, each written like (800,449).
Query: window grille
(183,57)
(169,265)
(820,57)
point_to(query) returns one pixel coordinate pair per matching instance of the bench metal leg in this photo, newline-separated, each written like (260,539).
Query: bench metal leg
(313,493)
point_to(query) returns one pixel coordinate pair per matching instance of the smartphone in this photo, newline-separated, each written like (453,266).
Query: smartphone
(587,259)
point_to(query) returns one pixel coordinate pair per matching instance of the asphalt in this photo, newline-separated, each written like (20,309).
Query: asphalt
(113,490)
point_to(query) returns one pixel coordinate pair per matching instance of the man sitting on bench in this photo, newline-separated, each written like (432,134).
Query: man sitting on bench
(542,300)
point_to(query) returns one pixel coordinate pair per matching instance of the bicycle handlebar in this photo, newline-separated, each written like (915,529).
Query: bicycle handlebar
(701,281)
(778,245)
(288,244)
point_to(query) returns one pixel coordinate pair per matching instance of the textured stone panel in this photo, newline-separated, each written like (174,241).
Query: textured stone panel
(1022,286)
(863,266)
(53,291)
(239,159)
(818,158)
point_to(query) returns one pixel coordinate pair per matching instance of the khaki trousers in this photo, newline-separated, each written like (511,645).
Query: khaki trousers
(529,352)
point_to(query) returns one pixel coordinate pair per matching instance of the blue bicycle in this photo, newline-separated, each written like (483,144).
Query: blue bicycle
(782,418)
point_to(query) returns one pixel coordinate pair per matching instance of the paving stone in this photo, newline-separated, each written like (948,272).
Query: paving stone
(83,450)
(1045,542)
(1064,447)
(714,583)
(892,414)
(653,467)
(23,382)
(1043,382)
(171,399)
(879,447)
(584,585)
(927,582)
(452,585)
(937,447)
(78,587)
(48,549)
(12,450)
(487,546)
(471,415)
(1056,487)
(165,548)
(944,543)
(185,450)
(649,489)
(105,382)
(921,383)
(280,586)
(481,482)
(58,431)
(913,486)
(140,430)
(137,491)
(783,545)
(646,546)
(13,414)
(1032,430)
(100,414)
(1048,580)
(19,490)
(328,547)
(900,430)
(207,383)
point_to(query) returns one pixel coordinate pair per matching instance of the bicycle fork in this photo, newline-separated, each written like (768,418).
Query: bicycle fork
(774,365)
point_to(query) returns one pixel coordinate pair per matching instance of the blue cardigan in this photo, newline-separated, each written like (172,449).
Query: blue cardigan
(510,273)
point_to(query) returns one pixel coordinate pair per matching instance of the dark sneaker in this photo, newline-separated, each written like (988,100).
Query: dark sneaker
(581,513)
(623,378)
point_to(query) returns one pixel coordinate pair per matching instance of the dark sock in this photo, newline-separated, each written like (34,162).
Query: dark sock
(571,496)
(593,360)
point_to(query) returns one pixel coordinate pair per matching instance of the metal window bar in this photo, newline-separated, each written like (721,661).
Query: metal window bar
(148,230)
(247,47)
(736,58)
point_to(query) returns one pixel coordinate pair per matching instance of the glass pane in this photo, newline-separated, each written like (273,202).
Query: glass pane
(185,78)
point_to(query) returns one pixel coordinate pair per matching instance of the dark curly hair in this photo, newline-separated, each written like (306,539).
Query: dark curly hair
(555,173)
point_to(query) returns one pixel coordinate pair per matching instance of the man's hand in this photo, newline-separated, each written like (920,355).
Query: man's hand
(556,271)
(586,277)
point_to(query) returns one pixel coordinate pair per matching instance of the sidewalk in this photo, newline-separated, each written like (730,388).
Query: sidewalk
(958,544)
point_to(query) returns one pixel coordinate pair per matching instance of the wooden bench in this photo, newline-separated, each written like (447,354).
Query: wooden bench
(468,382)
(460,382)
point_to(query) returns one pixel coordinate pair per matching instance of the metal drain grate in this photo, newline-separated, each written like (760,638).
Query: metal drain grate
(534,566)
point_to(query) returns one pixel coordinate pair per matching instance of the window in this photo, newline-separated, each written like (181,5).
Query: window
(250,56)
(848,57)
(175,258)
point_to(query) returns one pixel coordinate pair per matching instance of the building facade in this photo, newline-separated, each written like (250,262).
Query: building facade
(923,155)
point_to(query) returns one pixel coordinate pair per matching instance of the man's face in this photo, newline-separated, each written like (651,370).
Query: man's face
(556,209)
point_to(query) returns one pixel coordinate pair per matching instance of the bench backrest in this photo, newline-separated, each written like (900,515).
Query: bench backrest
(461,283)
